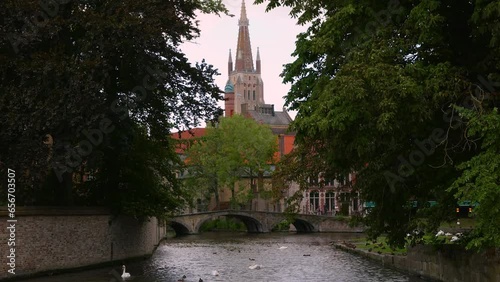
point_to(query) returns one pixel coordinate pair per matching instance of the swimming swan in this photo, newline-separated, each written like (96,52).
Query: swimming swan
(215,273)
(125,274)
(255,266)
(282,248)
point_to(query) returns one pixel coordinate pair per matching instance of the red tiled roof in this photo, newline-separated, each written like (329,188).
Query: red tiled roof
(189,134)
(186,135)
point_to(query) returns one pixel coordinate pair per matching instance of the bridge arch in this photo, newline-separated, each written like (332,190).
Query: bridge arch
(304,226)
(252,224)
(301,225)
(179,228)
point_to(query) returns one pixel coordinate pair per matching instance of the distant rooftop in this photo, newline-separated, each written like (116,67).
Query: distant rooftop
(267,115)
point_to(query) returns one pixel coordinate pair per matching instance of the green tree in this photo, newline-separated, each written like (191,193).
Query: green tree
(86,84)
(233,148)
(480,179)
(374,82)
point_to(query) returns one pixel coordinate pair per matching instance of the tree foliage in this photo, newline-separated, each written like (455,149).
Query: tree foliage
(375,82)
(480,178)
(233,148)
(84,85)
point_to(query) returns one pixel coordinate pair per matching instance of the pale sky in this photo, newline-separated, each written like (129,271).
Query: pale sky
(273,32)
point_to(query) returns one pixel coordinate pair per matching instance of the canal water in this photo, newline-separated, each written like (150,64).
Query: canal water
(286,257)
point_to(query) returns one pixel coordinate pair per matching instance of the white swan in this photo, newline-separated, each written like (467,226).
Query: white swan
(282,248)
(440,233)
(255,266)
(215,273)
(125,274)
(454,239)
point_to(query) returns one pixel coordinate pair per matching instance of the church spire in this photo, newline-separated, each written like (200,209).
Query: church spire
(257,62)
(230,64)
(244,60)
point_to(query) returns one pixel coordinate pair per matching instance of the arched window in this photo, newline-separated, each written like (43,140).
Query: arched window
(330,203)
(253,94)
(314,202)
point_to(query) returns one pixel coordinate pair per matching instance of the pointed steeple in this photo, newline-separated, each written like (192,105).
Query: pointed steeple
(244,60)
(230,64)
(243,15)
(257,62)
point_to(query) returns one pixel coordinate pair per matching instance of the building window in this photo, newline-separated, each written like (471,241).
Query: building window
(330,203)
(253,94)
(314,202)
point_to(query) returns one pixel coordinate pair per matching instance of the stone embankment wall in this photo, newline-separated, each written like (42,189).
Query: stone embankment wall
(336,224)
(50,239)
(448,263)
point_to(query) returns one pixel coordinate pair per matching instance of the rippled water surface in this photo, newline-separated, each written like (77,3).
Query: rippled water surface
(307,257)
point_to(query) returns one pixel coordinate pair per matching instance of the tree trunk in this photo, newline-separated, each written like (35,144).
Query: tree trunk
(233,200)
(216,192)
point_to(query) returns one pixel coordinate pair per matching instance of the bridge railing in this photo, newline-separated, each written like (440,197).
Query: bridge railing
(194,211)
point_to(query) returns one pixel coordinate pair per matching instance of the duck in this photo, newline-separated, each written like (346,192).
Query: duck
(200,280)
(182,278)
(125,274)
(215,273)
(255,266)
(251,258)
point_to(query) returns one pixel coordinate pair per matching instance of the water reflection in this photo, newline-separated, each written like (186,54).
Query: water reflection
(307,257)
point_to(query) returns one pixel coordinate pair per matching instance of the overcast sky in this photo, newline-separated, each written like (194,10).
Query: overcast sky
(273,32)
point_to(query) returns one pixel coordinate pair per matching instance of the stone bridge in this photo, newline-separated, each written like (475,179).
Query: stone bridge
(262,222)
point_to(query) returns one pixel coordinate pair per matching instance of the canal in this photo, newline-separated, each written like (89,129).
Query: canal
(282,256)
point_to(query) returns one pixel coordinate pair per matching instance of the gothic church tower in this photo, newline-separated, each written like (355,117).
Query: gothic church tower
(244,88)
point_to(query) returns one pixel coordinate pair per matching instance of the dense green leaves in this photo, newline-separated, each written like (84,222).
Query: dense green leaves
(235,148)
(87,75)
(480,179)
(374,83)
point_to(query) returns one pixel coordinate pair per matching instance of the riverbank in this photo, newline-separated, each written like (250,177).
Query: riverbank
(54,240)
(446,263)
